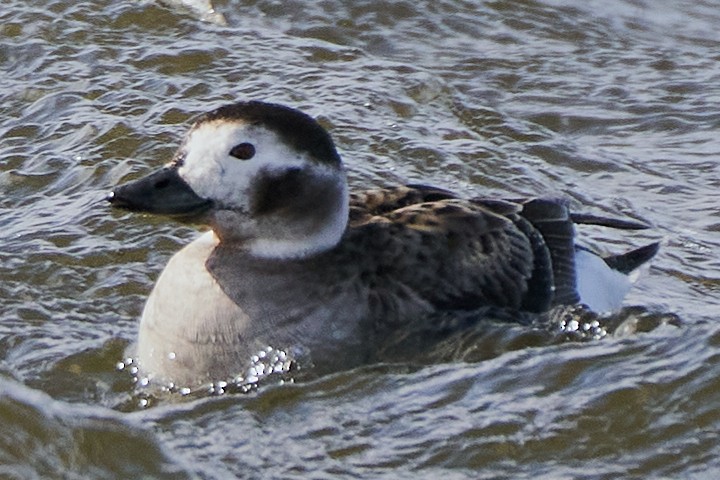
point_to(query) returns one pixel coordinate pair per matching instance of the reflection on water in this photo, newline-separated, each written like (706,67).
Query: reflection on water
(611,104)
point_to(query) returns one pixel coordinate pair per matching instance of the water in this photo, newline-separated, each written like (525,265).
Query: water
(612,104)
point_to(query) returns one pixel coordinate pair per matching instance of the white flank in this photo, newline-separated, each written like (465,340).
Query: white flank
(600,287)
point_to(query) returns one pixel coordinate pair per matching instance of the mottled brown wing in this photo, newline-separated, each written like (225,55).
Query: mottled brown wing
(453,253)
(379,202)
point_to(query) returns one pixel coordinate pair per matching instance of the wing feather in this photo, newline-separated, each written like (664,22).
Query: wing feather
(454,253)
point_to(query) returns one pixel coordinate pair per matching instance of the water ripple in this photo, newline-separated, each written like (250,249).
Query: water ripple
(609,103)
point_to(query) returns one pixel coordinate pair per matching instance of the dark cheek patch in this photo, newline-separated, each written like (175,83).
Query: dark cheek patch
(299,200)
(273,192)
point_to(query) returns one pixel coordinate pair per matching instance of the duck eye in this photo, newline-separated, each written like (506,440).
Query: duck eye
(243,151)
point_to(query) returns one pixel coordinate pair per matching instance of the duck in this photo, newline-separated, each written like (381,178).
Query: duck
(294,261)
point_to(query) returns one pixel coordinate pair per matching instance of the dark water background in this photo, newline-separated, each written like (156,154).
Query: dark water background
(613,104)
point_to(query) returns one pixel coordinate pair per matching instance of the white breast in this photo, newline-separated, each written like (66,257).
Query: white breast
(179,340)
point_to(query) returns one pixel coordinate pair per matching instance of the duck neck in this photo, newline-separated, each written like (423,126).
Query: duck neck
(288,222)
(305,237)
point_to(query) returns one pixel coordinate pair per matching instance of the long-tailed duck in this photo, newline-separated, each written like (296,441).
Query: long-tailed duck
(294,260)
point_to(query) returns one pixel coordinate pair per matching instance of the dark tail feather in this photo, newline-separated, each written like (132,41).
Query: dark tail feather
(552,220)
(629,261)
(590,219)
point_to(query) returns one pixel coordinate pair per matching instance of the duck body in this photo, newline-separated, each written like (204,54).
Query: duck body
(220,319)
(295,262)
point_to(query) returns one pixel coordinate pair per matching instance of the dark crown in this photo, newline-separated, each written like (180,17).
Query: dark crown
(297,129)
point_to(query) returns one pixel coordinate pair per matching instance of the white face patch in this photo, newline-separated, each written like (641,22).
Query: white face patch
(214,174)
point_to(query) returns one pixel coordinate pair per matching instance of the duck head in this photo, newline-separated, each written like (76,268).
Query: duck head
(265,177)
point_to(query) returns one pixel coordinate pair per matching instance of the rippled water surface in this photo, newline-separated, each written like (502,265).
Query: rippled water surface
(613,104)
